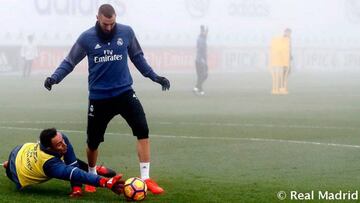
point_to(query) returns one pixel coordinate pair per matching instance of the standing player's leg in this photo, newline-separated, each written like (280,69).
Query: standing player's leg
(281,79)
(197,87)
(92,154)
(26,64)
(99,115)
(275,72)
(133,112)
(204,76)
(29,68)
(100,170)
(286,76)
(143,149)
(272,71)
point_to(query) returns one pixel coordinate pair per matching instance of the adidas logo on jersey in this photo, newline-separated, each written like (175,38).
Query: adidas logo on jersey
(97,46)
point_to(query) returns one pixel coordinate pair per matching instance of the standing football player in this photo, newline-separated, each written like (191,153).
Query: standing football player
(280,62)
(287,69)
(29,52)
(107,46)
(201,61)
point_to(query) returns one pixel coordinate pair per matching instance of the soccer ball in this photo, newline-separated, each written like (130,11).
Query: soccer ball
(135,189)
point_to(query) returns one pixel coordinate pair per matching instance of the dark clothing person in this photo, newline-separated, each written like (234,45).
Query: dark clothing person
(201,61)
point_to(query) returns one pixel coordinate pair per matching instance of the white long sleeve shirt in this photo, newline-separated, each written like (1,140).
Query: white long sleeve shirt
(29,51)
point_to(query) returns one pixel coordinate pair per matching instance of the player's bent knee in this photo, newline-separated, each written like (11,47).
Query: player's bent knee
(140,129)
(93,145)
(141,137)
(141,133)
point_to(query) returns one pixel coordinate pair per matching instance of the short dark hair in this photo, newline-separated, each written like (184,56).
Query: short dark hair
(107,10)
(46,136)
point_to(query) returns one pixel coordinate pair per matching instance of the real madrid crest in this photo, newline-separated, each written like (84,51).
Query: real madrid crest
(120,42)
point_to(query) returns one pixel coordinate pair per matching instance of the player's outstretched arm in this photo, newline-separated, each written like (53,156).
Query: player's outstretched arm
(76,54)
(55,168)
(136,55)
(145,69)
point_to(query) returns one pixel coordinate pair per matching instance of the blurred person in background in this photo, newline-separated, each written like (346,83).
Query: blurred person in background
(280,62)
(53,157)
(286,69)
(29,52)
(107,46)
(201,61)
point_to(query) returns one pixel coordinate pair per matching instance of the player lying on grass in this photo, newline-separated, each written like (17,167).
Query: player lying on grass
(54,157)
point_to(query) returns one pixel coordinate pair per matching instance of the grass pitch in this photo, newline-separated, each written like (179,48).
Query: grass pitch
(238,143)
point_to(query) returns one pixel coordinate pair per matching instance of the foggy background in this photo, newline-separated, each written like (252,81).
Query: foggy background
(258,142)
(325,33)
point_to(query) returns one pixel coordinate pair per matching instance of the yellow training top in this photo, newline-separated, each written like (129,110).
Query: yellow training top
(280,52)
(29,164)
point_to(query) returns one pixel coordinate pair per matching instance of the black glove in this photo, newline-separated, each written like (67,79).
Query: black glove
(49,82)
(165,83)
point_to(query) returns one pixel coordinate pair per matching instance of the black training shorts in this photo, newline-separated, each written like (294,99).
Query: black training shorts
(100,112)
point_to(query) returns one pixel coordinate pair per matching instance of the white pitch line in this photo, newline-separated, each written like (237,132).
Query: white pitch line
(63,130)
(260,140)
(248,125)
(208,138)
(269,125)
